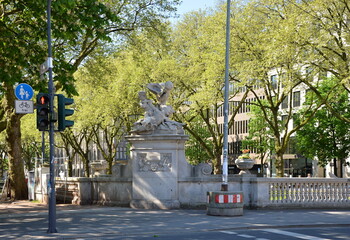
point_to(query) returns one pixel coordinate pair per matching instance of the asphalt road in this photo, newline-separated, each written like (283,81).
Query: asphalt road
(334,233)
(94,222)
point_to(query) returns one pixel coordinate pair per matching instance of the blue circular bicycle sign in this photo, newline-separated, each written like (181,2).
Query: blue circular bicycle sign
(24,92)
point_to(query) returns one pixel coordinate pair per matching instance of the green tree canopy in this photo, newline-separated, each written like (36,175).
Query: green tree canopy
(78,28)
(326,136)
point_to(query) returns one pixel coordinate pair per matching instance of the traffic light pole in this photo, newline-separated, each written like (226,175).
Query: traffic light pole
(51,186)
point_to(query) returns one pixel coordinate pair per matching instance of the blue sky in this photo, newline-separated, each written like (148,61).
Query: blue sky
(191,5)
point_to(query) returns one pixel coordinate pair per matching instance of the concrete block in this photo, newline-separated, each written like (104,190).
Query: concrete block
(225,203)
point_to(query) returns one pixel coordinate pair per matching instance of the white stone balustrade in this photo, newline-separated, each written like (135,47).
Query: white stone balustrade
(302,192)
(276,193)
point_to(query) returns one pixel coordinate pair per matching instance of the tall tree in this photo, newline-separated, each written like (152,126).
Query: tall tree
(260,136)
(78,28)
(266,56)
(194,150)
(192,57)
(3,156)
(325,136)
(199,50)
(107,101)
(323,34)
(77,142)
(107,138)
(31,141)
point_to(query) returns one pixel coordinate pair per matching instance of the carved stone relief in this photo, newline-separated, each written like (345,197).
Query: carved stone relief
(146,164)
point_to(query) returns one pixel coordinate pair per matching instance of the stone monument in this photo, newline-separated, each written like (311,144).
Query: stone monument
(157,152)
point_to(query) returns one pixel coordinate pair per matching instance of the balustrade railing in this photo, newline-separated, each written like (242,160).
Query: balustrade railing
(276,193)
(309,191)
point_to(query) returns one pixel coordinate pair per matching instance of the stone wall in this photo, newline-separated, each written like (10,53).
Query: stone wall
(192,191)
(96,190)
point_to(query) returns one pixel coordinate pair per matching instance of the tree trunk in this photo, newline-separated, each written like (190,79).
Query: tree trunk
(279,165)
(217,165)
(262,164)
(86,164)
(70,167)
(18,186)
(110,166)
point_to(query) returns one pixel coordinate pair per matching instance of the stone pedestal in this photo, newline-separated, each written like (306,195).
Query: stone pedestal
(157,161)
(224,203)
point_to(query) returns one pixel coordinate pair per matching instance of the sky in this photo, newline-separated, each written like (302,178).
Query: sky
(193,5)
(190,5)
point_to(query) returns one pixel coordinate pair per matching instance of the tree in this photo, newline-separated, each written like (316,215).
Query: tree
(77,142)
(271,64)
(194,151)
(78,28)
(199,50)
(260,136)
(31,141)
(192,57)
(323,34)
(3,156)
(107,138)
(326,136)
(107,101)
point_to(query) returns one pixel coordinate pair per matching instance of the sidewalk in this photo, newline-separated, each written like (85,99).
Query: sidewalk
(26,220)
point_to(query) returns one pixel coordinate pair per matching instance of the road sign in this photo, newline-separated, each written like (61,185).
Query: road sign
(44,67)
(24,92)
(24,107)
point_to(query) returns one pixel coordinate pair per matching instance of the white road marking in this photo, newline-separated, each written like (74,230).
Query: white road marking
(228,232)
(292,234)
(245,236)
(239,235)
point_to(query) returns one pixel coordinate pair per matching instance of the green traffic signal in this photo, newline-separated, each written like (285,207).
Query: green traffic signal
(42,111)
(63,112)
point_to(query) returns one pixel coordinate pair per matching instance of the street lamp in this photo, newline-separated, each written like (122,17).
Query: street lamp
(224,185)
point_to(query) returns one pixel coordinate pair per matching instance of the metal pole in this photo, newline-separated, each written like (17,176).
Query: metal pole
(43,146)
(224,186)
(51,187)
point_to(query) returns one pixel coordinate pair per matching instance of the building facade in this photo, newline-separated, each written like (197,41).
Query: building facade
(295,164)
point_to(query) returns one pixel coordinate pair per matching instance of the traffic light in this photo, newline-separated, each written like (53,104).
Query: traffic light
(42,111)
(63,112)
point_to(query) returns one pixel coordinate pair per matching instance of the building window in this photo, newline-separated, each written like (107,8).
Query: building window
(285,103)
(296,99)
(284,119)
(221,111)
(237,147)
(291,148)
(221,128)
(230,107)
(230,130)
(283,79)
(274,81)
(308,72)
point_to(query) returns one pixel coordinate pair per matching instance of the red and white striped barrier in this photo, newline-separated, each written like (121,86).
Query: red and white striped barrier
(224,203)
(228,198)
